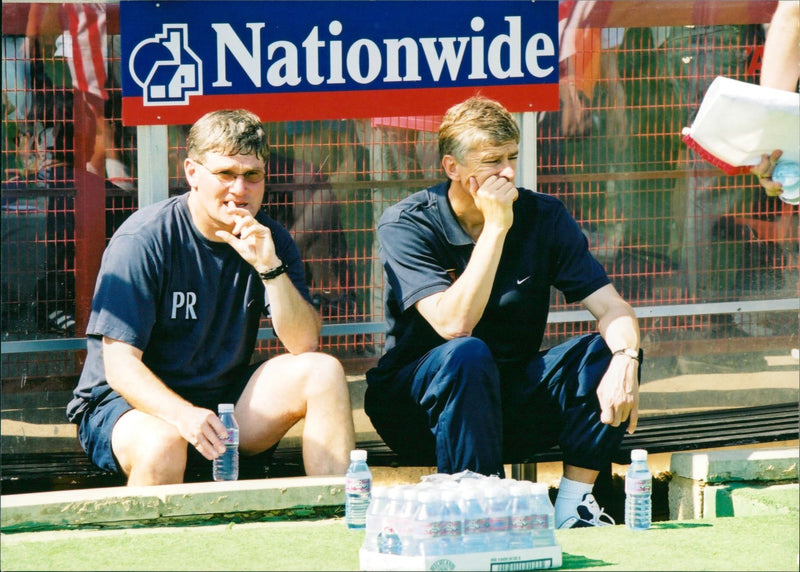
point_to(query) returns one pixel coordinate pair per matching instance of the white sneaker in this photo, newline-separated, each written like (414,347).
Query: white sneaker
(589,514)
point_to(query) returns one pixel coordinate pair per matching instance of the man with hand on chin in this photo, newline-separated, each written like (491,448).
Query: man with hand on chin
(175,316)
(469,266)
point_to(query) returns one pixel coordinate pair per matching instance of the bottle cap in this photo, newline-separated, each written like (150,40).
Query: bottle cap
(470,491)
(638,455)
(519,489)
(358,455)
(225,408)
(397,492)
(539,488)
(428,495)
(450,494)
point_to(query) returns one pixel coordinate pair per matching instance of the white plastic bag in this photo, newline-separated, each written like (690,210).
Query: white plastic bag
(738,122)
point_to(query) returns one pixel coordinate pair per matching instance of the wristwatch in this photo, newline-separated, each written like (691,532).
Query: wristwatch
(631,353)
(274,272)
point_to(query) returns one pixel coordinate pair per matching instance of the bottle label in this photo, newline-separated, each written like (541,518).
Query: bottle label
(540,521)
(232,436)
(477,526)
(638,486)
(451,528)
(500,524)
(521,523)
(357,486)
(429,529)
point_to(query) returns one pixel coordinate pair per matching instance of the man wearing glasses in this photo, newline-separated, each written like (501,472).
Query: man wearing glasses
(175,315)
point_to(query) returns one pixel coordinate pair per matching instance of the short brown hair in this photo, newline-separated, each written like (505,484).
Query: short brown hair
(473,123)
(230,132)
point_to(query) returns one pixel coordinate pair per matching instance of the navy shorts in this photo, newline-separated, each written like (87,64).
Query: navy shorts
(106,406)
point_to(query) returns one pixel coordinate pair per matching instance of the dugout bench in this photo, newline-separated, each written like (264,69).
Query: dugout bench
(22,471)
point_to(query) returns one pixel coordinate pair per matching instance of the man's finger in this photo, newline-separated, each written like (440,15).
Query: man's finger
(215,439)
(473,186)
(633,420)
(225,236)
(202,446)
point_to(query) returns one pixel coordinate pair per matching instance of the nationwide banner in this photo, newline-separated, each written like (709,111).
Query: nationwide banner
(298,60)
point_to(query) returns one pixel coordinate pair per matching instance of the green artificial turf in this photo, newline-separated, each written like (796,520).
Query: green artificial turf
(741,543)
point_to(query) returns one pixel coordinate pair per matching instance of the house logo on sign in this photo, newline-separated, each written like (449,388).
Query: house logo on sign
(166,69)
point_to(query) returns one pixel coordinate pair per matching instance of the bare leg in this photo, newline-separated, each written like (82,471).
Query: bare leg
(150,451)
(288,388)
(580,474)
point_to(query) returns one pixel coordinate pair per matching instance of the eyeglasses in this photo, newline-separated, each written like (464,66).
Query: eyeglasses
(227,177)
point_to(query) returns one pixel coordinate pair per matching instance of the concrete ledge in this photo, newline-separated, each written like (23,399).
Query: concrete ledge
(768,465)
(129,506)
(728,482)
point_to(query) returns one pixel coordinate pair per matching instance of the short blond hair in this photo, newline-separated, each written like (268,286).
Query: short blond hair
(474,123)
(229,132)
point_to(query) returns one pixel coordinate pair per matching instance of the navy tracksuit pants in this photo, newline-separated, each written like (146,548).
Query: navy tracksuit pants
(455,407)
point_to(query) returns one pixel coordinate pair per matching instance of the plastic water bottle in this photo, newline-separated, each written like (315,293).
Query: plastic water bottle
(357,488)
(389,541)
(453,522)
(638,486)
(226,466)
(406,521)
(521,533)
(544,516)
(428,525)
(499,507)
(787,173)
(374,517)
(477,526)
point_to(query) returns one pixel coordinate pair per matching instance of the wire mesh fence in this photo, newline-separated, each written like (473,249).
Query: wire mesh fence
(675,235)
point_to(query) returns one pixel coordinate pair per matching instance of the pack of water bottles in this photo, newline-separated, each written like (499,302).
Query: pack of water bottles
(465,521)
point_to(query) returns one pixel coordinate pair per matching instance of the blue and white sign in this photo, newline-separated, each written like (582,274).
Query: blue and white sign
(289,60)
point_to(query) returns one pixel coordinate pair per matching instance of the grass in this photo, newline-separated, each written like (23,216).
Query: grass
(742,543)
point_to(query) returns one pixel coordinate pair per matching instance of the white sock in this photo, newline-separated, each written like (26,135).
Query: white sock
(570,495)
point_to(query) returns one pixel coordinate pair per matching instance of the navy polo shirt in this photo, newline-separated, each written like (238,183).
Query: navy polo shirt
(424,250)
(192,305)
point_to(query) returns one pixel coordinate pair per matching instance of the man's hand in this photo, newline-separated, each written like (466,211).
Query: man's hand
(204,431)
(618,393)
(764,173)
(576,119)
(495,199)
(251,239)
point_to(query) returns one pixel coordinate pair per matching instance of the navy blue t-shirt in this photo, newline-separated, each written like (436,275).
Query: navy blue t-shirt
(424,250)
(193,306)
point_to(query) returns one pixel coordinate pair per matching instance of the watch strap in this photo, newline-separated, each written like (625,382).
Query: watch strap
(631,353)
(273,273)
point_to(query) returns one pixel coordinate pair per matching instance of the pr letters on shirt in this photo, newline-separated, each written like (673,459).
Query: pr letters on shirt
(185,301)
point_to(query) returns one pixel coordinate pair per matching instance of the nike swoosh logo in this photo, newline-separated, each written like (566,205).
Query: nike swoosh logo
(521,280)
